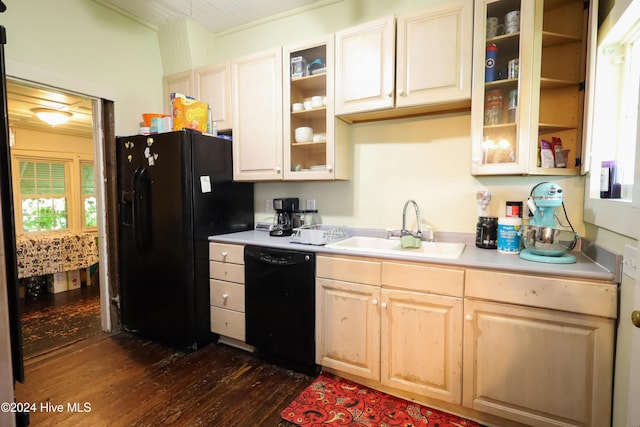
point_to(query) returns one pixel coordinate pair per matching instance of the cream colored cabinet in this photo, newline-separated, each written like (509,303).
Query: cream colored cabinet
(226,290)
(365,67)
(539,350)
(529,78)
(256,81)
(430,69)
(308,102)
(379,321)
(177,83)
(213,86)
(347,315)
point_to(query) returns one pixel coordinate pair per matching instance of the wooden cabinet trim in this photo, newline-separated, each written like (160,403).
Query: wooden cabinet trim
(358,270)
(423,278)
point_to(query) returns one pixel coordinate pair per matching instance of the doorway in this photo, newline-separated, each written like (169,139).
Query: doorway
(57,216)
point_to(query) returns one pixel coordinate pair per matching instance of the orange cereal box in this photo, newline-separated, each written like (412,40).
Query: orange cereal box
(189,113)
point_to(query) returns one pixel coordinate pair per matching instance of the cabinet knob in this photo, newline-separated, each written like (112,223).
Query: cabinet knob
(374,302)
(468,318)
(329,168)
(225,296)
(390,95)
(278,169)
(635,318)
(402,93)
(383,305)
(224,254)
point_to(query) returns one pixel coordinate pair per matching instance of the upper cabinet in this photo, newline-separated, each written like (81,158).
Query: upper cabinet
(529,79)
(315,142)
(432,59)
(256,82)
(177,83)
(213,86)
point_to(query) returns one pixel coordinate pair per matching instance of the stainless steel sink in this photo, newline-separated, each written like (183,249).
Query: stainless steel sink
(392,246)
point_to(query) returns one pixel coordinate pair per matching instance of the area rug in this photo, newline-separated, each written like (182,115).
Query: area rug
(334,401)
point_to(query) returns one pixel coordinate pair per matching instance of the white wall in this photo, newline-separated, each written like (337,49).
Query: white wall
(81,46)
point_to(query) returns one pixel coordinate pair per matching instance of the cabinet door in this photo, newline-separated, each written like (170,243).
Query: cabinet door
(421,344)
(257,116)
(365,63)
(213,86)
(538,367)
(434,54)
(177,83)
(348,327)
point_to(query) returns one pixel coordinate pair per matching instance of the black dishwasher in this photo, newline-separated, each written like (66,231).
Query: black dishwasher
(280,306)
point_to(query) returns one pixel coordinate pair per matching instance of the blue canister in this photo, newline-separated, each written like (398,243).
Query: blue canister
(490,63)
(509,235)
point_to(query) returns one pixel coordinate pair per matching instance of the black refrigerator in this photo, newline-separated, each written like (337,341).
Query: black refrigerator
(174,191)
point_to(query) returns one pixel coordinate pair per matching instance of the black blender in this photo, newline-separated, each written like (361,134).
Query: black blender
(284,216)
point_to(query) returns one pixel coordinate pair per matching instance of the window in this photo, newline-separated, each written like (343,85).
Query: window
(88,195)
(615,120)
(43,195)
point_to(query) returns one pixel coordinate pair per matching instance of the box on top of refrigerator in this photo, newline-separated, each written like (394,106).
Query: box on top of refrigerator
(189,113)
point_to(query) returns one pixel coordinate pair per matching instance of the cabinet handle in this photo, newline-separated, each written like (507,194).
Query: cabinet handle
(278,169)
(224,254)
(225,296)
(635,318)
(390,95)
(383,305)
(374,302)
(468,318)
(402,93)
(329,168)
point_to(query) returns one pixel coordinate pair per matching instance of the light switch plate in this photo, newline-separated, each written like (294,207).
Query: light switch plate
(630,261)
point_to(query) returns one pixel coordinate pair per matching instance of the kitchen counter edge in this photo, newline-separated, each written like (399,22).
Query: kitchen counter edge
(472,257)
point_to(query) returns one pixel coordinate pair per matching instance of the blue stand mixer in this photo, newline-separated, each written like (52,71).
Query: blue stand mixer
(542,241)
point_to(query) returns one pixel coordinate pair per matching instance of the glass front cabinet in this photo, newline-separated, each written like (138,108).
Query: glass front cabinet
(315,142)
(528,96)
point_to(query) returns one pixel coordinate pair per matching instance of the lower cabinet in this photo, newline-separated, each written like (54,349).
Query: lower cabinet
(401,338)
(501,348)
(226,290)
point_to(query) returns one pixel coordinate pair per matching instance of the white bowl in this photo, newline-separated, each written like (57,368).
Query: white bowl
(307,105)
(297,106)
(316,101)
(303,134)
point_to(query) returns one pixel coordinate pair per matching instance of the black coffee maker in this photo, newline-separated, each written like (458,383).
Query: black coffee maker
(284,216)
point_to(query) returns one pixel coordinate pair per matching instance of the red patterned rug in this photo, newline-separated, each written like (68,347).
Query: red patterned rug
(334,401)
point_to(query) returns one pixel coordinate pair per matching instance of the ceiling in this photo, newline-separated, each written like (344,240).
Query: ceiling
(22,98)
(214,15)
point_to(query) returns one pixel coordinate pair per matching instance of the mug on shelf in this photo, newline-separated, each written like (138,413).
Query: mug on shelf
(493,27)
(513,68)
(512,22)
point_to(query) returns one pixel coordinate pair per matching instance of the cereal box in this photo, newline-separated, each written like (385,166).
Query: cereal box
(189,113)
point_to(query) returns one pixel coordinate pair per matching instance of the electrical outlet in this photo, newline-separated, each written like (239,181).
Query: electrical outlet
(269,205)
(630,261)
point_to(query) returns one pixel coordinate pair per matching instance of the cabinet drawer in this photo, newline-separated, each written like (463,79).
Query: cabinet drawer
(227,272)
(228,323)
(423,278)
(358,270)
(226,295)
(226,253)
(578,296)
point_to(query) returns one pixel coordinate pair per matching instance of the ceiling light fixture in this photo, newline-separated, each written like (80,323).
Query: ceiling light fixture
(52,117)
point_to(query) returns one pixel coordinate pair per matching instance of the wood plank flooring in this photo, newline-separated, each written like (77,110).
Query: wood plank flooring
(125,380)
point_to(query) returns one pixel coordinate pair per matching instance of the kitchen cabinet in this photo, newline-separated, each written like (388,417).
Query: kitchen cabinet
(213,86)
(529,84)
(379,321)
(177,83)
(539,350)
(432,60)
(256,81)
(226,290)
(325,155)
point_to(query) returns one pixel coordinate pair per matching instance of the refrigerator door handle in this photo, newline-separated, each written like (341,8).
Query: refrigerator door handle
(142,209)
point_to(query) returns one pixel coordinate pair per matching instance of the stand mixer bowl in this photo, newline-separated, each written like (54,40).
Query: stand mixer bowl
(548,241)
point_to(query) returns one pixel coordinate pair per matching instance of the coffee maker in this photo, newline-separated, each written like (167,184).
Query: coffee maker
(284,221)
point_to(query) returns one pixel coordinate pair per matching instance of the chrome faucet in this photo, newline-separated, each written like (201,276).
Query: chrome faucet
(404,230)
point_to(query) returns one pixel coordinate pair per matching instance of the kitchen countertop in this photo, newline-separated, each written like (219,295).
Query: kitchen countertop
(472,257)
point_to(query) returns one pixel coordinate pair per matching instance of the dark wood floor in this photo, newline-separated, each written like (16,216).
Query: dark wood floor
(127,381)
(52,321)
